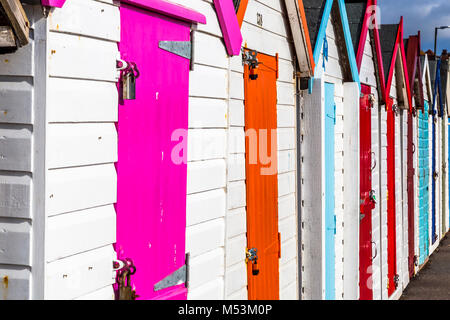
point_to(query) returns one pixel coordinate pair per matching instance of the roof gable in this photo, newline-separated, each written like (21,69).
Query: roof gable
(318,15)
(426,79)
(300,33)
(356,12)
(412,48)
(314,12)
(394,58)
(388,41)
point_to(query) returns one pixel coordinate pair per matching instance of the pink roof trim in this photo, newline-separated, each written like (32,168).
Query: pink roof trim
(170,9)
(230,26)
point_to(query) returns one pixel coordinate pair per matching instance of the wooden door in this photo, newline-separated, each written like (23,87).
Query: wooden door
(260,85)
(151,203)
(424,178)
(330,217)
(434,177)
(366,197)
(392,244)
(411,149)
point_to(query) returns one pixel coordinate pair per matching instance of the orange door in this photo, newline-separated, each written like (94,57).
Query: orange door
(261,175)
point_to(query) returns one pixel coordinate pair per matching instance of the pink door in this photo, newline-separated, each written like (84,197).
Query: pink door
(152,129)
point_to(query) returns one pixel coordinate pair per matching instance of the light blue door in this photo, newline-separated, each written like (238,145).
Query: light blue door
(424,176)
(330,218)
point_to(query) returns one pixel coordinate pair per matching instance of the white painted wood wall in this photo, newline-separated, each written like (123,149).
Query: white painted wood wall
(216,232)
(273,37)
(313,237)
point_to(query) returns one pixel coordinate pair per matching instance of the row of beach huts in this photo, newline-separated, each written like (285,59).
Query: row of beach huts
(217,149)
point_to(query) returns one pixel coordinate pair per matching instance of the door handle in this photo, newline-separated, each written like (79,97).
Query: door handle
(375,160)
(376,250)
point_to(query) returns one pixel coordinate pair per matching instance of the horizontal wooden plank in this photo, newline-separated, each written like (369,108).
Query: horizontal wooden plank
(80,188)
(15,241)
(15,195)
(89,18)
(18,280)
(72,100)
(15,148)
(236,167)
(206,267)
(79,231)
(205,144)
(16,100)
(204,206)
(205,237)
(90,58)
(106,293)
(236,194)
(80,274)
(212,290)
(236,279)
(208,82)
(206,175)
(236,222)
(81,144)
(235,250)
(19,63)
(207,113)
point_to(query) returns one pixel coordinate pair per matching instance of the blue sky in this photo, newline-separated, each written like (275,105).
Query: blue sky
(423,15)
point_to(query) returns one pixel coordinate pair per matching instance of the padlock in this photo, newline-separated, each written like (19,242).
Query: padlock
(253,75)
(255,269)
(125,290)
(129,85)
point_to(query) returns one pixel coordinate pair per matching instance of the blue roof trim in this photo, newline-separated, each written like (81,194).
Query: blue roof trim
(349,43)
(347,36)
(322,30)
(437,89)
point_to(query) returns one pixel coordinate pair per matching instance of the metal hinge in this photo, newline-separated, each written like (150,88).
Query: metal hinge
(178,277)
(180,48)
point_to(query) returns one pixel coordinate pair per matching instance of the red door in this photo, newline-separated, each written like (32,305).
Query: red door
(367,197)
(411,172)
(392,246)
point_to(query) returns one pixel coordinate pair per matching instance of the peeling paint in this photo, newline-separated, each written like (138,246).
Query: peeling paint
(5,287)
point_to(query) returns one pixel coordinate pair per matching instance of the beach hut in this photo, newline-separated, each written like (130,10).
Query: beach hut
(436,154)
(412,48)
(424,168)
(444,147)
(362,17)
(445,78)
(330,159)
(139,150)
(262,260)
(397,97)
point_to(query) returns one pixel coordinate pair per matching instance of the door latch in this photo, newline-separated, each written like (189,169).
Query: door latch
(396,280)
(251,255)
(249,57)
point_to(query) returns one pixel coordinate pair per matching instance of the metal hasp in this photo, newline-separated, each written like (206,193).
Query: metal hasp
(178,277)
(180,48)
